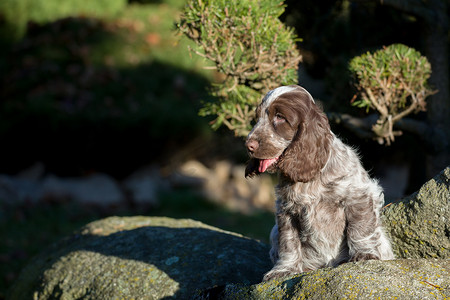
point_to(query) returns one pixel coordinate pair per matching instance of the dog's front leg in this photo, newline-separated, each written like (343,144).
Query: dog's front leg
(364,235)
(286,242)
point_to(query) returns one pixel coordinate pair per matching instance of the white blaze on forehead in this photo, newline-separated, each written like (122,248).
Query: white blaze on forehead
(275,93)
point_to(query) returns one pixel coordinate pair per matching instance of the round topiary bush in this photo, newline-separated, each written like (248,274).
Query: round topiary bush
(392,81)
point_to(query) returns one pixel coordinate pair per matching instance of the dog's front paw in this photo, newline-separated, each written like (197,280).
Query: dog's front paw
(363,256)
(273,274)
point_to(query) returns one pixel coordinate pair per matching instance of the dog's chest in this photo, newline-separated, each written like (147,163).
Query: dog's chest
(296,199)
(315,217)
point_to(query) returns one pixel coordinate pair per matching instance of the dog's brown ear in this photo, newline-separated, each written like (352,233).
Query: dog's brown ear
(252,168)
(309,150)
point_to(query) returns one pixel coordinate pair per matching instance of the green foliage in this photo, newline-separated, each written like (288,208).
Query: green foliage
(17,13)
(248,44)
(392,81)
(13,20)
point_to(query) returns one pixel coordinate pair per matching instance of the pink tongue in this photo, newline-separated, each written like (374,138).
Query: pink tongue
(265,163)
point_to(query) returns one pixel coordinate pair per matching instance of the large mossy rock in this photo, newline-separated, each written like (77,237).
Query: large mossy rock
(419,225)
(155,258)
(141,258)
(395,279)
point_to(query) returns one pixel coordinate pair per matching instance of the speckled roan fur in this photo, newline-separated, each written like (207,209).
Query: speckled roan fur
(327,208)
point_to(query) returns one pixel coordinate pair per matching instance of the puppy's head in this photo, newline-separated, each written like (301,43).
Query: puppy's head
(292,136)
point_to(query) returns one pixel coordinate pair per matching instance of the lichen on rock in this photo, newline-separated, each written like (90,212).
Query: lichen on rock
(419,225)
(395,279)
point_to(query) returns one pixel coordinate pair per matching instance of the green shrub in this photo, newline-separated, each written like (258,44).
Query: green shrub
(17,13)
(250,46)
(392,81)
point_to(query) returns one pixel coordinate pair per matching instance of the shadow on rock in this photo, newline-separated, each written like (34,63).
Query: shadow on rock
(158,258)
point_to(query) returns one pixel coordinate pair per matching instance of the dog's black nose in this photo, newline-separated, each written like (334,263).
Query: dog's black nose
(252,145)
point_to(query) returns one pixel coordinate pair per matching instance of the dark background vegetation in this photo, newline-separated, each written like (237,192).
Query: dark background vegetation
(111,87)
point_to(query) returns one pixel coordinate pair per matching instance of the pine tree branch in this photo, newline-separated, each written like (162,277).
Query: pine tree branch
(432,137)
(362,128)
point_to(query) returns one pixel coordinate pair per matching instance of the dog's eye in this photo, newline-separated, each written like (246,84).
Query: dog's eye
(279,118)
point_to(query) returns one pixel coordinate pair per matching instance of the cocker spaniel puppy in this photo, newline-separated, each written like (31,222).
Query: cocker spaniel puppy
(327,208)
